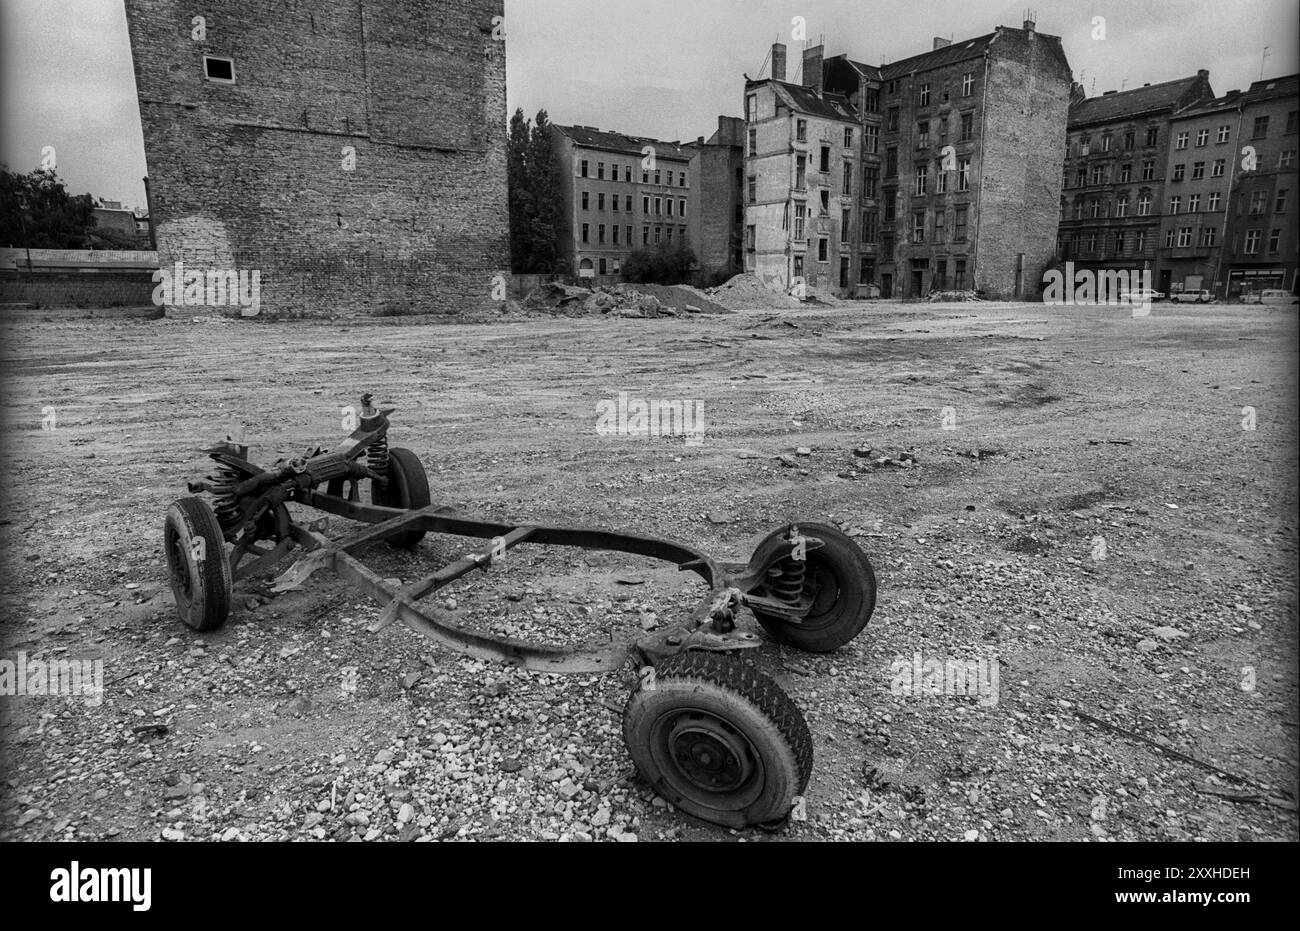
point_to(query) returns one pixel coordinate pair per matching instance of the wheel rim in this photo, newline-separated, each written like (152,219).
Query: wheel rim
(824,582)
(182,583)
(706,759)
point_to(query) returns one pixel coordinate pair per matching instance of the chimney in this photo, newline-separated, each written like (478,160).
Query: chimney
(1029,23)
(941,42)
(812,67)
(778,61)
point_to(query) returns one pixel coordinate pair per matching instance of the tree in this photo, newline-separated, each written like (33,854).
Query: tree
(543,183)
(520,194)
(667,264)
(36,211)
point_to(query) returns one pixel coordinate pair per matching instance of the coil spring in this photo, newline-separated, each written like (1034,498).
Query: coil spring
(225,504)
(377,456)
(787,580)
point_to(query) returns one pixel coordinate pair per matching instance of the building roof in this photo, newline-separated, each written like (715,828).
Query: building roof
(1229,101)
(938,58)
(1288,86)
(610,141)
(1120,105)
(806,100)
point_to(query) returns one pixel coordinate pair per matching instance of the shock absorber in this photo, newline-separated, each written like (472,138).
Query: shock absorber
(786,578)
(376,452)
(222,485)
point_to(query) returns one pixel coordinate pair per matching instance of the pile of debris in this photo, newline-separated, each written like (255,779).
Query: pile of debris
(945,296)
(879,460)
(620,300)
(749,292)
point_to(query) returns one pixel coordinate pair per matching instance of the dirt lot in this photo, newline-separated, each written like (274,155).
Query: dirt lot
(1091,511)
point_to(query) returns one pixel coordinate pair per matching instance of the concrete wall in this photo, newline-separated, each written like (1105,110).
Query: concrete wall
(119,288)
(255,175)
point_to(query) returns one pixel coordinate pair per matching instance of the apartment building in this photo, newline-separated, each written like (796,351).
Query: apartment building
(717,223)
(1117,157)
(620,193)
(1261,238)
(939,171)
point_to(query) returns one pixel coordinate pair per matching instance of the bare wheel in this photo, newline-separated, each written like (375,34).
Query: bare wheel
(837,577)
(197,566)
(408,488)
(718,739)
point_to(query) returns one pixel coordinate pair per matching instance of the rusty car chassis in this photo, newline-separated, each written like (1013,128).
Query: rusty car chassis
(714,736)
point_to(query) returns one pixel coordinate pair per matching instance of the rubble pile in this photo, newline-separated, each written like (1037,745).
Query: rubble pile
(620,300)
(747,292)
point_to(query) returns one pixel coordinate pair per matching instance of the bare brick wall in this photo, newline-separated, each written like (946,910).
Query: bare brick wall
(251,176)
(717,232)
(77,289)
(1024,135)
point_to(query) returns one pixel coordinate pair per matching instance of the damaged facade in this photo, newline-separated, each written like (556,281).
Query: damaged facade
(352,151)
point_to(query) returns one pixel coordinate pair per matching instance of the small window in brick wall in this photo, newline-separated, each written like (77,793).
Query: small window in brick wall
(220,70)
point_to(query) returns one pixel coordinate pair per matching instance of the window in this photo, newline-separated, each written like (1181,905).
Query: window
(659,206)
(940,230)
(870,180)
(848,138)
(1078,208)
(800,172)
(1169,238)
(848,179)
(751,106)
(967,127)
(872,102)
(584,168)
(668,234)
(1144,205)
(1119,243)
(600,171)
(1193,203)
(1291,120)
(1121,206)
(959,276)
(600,233)
(963,175)
(1140,241)
(924,99)
(959,226)
(891,162)
(1261,127)
(753,142)
(1129,140)
(614,232)
(869,226)
(1252,242)
(1174,204)
(1213,203)
(846,223)
(1208,236)
(668,204)
(823,249)
(1153,135)
(627,176)
(1081,177)
(1198,171)
(628,231)
(918,227)
(1098,174)
(1286,159)
(1179,172)
(1216,170)
(887,246)
(219,70)
(681,206)
(1224,132)
(586,201)
(600,201)
(586,232)
(645,235)
(1148,171)
(1125,173)
(1105,143)
(1258,201)
(658,234)
(1274,242)
(1184,237)
(967,83)
(1202,137)
(645,177)
(800,130)
(613,202)
(824,195)
(681,179)
(871,141)
(800,219)
(753,189)
(891,122)
(866,271)
(751,234)
(923,134)
(1180,141)
(940,179)
(1094,209)
(1085,145)
(891,203)
(922,179)
(1279,206)
(645,203)
(825,163)
(603,266)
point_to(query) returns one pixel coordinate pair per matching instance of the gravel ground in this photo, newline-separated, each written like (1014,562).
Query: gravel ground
(1083,506)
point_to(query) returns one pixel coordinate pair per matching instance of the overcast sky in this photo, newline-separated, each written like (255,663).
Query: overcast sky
(665,69)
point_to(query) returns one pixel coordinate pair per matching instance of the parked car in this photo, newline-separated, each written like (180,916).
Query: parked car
(1278,296)
(1145,294)
(1194,297)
